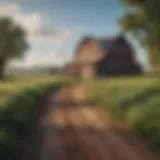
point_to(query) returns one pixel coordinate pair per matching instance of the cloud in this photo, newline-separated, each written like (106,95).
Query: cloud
(7,9)
(39,36)
(33,22)
(50,34)
(52,58)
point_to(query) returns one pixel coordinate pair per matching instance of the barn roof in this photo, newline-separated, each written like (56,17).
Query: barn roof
(107,42)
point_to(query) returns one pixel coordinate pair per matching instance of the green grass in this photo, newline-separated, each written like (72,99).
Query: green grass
(135,100)
(15,84)
(18,100)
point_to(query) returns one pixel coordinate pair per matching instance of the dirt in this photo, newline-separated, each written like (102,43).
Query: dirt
(72,128)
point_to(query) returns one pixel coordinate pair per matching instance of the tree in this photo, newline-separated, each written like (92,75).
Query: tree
(142,20)
(12,42)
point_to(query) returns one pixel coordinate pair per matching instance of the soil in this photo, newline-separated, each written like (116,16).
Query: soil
(72,128)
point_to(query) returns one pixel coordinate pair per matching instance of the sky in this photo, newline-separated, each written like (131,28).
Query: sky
(54,27)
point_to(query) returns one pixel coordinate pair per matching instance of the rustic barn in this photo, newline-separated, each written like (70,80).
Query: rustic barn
(104,56)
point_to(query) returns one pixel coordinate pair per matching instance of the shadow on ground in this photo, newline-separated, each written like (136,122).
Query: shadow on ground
(16,114)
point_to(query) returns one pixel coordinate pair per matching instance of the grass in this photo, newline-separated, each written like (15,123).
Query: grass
(135,100)
(18,100)
(15,84)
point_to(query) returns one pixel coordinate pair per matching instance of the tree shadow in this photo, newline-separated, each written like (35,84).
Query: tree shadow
(75,104)
(83,143)
(17,114)
(73,142)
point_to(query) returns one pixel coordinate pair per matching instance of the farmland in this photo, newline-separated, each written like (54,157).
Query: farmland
(19,97)
(15,84)
(134,100)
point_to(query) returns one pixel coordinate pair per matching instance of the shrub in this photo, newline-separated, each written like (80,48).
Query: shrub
(15,114)
(138,104)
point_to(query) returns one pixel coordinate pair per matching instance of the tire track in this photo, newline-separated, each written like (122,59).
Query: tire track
(74,131)
(110,139)
(114,142)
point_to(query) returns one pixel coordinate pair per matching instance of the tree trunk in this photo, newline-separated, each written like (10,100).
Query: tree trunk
(2,67)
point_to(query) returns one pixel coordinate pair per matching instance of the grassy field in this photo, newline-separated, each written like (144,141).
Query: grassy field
(17,83)
(19,97)
(134,100)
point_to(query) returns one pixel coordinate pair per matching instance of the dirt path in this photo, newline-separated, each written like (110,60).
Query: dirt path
(74,129)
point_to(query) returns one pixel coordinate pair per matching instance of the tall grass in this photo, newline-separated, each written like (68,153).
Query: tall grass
(18,102)
(133,100)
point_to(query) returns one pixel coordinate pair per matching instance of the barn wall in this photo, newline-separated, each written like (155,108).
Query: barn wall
(89,53)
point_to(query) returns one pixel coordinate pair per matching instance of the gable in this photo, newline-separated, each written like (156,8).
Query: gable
(89,52)
(106,44)
(92,49)
(117,43)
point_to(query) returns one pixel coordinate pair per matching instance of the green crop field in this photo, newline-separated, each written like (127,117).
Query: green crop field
(134,100)
(15,84)
(19,97)
(9,87)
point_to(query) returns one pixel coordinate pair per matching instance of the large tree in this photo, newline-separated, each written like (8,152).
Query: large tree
(12,42)
(142,20)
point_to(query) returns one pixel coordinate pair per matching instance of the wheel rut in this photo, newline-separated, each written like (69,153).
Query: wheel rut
(75,129)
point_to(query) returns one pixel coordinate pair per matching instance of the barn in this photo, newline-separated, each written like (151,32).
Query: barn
(104,57)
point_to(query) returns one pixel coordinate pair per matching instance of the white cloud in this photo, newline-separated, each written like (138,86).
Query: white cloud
(50,34)
(33,22)
(7,9)
(42,59)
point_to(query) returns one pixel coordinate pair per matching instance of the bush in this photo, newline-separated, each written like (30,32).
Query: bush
(138,104)
(144,116)
(14,116)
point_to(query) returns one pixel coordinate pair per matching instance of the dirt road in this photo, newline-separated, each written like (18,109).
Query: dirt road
(71,128)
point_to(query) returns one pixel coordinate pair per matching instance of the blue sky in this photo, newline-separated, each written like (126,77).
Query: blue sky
(71,19)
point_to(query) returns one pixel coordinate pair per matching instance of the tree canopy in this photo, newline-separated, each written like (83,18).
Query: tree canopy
(142,20)
(12,42)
